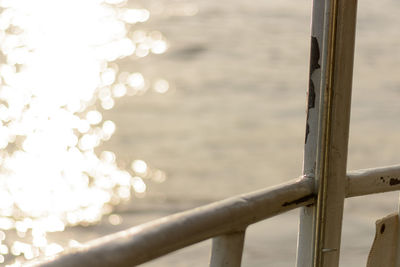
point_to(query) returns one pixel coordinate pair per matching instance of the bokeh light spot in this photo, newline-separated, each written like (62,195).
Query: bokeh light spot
(161,86)
(139,166)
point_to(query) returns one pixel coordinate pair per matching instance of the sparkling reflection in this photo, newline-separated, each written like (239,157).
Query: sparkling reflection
(115,219)
(56,77)
(139,166)
(161,86)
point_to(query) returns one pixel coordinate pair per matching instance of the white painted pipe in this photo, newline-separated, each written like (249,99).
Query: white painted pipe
(227,250)
(154,239)
(371,181)
(334,120)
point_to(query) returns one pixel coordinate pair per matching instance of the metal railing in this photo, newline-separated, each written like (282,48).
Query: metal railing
(224,221)
(319,192)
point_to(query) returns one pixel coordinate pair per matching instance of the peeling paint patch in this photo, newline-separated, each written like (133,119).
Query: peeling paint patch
(314,55)
(314,59)
(298,201)
(311,95)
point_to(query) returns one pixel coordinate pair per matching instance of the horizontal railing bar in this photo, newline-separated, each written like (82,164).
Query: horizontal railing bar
(154,239)
(371,181)
(148,241)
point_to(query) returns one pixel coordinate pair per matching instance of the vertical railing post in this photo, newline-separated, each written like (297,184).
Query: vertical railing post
(305,239)
(336,83)
(227,250)
(325,156)
(398,236)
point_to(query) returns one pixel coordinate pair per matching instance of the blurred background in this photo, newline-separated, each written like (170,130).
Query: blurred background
(115,112)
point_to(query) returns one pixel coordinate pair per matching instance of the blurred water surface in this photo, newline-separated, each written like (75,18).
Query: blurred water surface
(235,121)
(207,96)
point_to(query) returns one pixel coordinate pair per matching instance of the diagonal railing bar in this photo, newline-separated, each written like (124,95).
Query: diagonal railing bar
(151,240)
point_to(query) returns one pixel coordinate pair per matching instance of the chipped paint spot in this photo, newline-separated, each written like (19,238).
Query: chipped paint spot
(383,226)
(307,131)
(394,181)
(298,201)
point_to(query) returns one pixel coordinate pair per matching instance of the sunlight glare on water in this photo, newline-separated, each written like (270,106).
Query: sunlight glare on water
(56,74)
